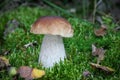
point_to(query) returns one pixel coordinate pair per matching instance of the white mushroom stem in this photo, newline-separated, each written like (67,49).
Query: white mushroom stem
(52,50)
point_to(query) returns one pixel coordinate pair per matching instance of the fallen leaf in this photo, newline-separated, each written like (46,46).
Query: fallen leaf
(94,50)
(100,57)
(37,73)
(5,60)
(101,31)
(4,63)
(98,52)
(103,68)
(25,72)
(29,73)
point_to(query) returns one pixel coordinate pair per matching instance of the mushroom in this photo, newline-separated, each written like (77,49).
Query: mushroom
(52,48)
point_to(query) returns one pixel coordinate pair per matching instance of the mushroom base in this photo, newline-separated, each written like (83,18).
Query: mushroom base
(52,50)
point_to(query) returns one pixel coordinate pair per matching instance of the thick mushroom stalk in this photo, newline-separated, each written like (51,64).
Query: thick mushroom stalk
(52,50)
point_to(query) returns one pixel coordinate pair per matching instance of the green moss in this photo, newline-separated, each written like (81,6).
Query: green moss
(78,48)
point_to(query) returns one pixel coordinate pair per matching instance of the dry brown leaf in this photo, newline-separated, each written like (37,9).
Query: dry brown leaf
(30,73)
(101,31)
(25,72)
(100,58)
(103,68)
(94,49)
(98,52)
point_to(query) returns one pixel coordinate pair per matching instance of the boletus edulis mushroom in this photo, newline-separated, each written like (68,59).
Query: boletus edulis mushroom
(52,48)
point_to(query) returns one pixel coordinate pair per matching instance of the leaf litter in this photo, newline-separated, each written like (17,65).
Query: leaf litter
(103,68)
(101,31)
(29,73)
(99,52)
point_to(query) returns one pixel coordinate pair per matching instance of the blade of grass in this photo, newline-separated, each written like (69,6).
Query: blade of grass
(94,11)
(57,7)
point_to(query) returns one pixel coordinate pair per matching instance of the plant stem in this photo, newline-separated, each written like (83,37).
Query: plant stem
(58,8)
(94,12)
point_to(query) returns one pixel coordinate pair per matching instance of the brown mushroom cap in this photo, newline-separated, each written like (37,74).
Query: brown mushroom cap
(53,25)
